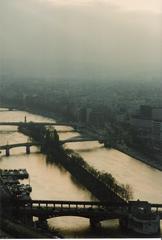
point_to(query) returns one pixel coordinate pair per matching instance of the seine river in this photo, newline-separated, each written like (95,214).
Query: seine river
(50,181)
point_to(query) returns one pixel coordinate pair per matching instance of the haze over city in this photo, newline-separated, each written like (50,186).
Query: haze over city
(80,119)
(81,39)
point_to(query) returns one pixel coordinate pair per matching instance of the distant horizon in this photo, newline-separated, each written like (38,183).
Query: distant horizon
(147,5)
(93,39)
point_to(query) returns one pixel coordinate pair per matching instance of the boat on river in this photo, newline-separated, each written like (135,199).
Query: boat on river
(15,173)
(9,181)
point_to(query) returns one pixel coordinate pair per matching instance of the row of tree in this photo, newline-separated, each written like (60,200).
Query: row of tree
(49,140)
(124,191)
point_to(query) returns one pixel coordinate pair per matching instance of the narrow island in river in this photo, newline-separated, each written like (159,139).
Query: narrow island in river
(102,185)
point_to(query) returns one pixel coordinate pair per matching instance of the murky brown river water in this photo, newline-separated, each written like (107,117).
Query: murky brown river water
(50,181)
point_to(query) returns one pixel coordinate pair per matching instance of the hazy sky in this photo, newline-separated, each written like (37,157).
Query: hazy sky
(81,38)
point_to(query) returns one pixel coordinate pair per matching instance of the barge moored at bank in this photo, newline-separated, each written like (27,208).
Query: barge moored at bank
(11,186)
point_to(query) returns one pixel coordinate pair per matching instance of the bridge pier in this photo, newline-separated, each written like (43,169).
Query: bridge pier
(27,219)
(42,222)
(27,149)
(94,223)
(7,152)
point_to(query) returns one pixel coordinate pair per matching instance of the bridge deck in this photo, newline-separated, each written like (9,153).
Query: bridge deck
(36,123)
(66,202)
(97,213)
(77,140)
(9,146)
(87,209)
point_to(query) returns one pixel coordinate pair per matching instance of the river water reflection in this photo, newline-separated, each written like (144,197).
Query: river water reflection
(50,181)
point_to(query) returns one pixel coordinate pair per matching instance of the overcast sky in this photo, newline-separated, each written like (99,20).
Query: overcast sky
(81,38)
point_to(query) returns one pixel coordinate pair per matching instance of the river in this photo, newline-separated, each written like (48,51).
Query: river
(50,181)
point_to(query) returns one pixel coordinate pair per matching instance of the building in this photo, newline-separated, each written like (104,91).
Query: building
(148,124)
(157,128)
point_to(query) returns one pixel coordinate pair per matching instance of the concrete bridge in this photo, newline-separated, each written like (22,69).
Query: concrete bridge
(36,123)
(27,145)
(7,147)
(74,139)
(80,139)
(7,109)
(94,211)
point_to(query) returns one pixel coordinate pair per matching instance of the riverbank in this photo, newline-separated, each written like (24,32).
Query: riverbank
(155,163)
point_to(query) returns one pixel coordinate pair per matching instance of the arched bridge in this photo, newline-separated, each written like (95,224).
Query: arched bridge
(95,211)
(27,145)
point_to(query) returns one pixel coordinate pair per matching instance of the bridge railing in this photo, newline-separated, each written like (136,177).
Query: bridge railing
(15,145)
(84,204)
(156,207)
(69,204)
(62,204)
